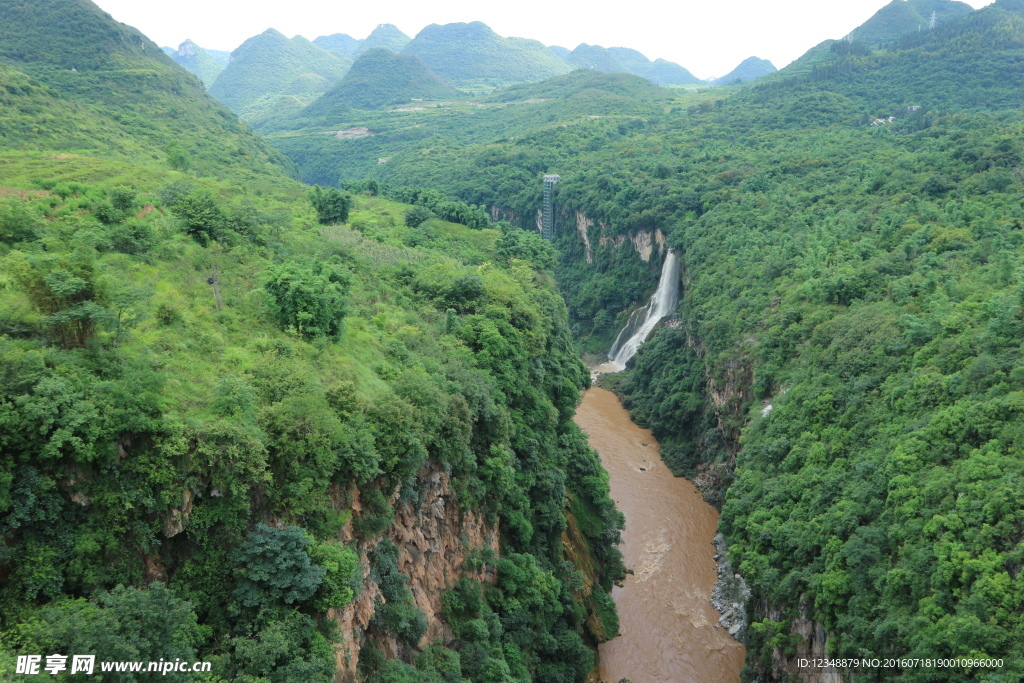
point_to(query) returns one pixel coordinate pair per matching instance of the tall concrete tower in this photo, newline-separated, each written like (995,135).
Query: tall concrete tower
(549,214)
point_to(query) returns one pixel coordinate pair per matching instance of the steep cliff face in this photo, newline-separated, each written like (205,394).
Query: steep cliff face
(643,241)
(434,540)
(811,644)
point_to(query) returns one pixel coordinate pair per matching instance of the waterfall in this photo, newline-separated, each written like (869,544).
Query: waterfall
(663,302)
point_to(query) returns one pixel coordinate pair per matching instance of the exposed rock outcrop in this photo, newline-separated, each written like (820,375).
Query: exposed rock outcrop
(643,241)
(812,644)
(434,541)
(583,224)
(730,594)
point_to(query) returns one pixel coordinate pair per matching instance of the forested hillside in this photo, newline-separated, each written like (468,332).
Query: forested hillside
(902,17)
(473,56)
(270,66)
(749,69)
(238,413)
(378,78)
(197,60)
(77,80)
(845,378)
(625,60)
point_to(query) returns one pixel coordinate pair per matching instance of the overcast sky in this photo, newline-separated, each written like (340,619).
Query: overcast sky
(708,37)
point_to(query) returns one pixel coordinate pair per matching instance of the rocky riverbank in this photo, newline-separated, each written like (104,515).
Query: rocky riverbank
(730,594)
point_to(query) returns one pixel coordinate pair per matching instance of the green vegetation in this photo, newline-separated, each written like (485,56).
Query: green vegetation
(380,78)
(903,17)
(845,377)
(204,363)
(269,66)
(749,69)
(75,80)
(197,60)
(342,43)
(331,205)
(625,60)
(418,144)
(385,36)
(472,56)
(126,368)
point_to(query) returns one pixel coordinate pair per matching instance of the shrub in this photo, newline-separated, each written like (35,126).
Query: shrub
(274,567)
(418,215)
(332,205)
(309,300)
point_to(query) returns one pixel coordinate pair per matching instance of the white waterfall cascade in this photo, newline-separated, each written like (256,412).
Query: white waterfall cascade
(663,303)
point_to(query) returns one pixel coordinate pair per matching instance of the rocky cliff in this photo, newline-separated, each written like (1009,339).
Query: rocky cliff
(435,541)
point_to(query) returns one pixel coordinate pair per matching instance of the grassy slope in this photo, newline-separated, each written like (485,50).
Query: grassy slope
(104,86)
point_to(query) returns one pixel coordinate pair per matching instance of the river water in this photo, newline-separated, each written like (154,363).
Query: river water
(666,620)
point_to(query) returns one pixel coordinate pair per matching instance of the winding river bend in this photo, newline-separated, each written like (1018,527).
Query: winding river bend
(666,620)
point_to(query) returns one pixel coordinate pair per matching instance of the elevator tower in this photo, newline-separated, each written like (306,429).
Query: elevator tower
(548,221)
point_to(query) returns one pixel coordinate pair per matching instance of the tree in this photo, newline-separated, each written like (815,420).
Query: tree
(203,218)
(273,566)
(124,624)
(177,157)
(311,300)
(417,215)
(343,576)
(332,205)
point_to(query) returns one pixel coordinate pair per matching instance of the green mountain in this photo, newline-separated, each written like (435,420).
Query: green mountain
(379,78)
(472,55)
(198,61)
(342,43)
(625,60)
(660,71)
(594,57)
(583,98)
(269,66)
(562,52)
(385,36)
(749,69)
(89,83)
(901,17)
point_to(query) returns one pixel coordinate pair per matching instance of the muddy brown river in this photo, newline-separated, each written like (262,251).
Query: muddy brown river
(667,623)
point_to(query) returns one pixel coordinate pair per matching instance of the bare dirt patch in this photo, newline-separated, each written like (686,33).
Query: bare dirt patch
(6,192)
(351,133)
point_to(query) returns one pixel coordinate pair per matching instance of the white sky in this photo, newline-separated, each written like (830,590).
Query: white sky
(707,37)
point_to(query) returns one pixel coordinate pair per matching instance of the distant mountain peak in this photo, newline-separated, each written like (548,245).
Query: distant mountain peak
(379,78)
(269,65)
(749,69)
(628,60)
(901,17)
(471,54)
(188,49)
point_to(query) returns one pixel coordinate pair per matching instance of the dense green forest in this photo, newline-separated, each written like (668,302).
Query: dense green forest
(846,377)
(222,392)
(473,56)
(378,78)
(268,67)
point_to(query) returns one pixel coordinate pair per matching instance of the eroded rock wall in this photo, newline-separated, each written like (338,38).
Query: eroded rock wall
(434,541)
